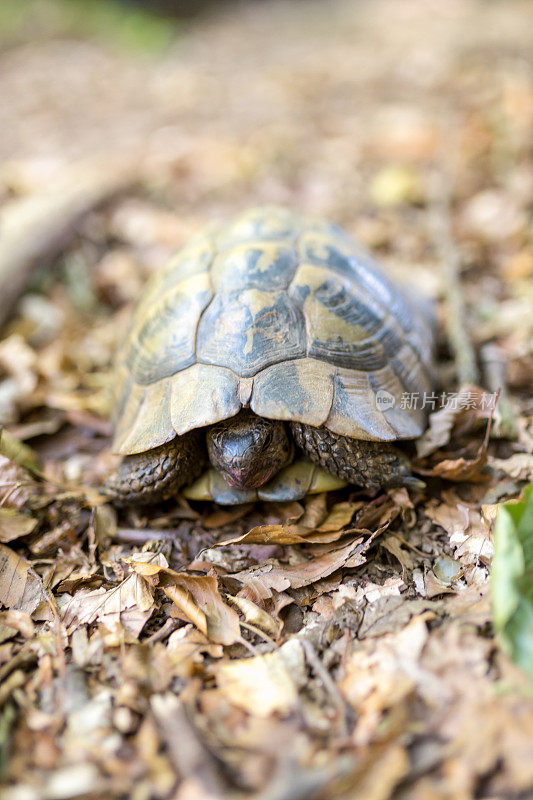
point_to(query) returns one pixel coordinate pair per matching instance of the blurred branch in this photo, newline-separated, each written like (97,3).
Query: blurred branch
(440,219)
(494,365)
(40,227)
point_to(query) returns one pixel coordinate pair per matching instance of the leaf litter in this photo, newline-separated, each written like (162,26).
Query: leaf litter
(341,646)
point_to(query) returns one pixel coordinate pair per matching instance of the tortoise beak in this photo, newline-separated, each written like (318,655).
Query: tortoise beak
(247,479)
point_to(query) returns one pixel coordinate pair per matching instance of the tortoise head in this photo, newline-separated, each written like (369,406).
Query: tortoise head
(249,450)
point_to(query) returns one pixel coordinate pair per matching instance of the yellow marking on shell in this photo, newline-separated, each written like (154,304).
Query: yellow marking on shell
(320,237)
(323,323)
(248,330)
(163,338)
(188,291)
(146,421)
(126,418)
(299,390)
(275,222)
(249,262)
(202,395)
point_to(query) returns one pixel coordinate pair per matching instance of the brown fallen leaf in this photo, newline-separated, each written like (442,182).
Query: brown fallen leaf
(260,582)
(114,608)
(469,530)
(383,673)
(13,524)
(16,485)
(196,598)
(19,620)
(254,615)
(316,526)
(264,684)
(19,588)
(465,469)
(462,469)
(189,644)
(128,605)
(461,413)
(518,466)
(224,516)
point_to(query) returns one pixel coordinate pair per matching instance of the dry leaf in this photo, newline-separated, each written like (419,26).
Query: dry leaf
(188,643)
(255,615)
(128,605)
(264,684)
(316,526)
(197,598)
(461,470)
(16,486)
(469,531)
(261,581)
(13,524)
(519,466)
(461,413)
(19,588)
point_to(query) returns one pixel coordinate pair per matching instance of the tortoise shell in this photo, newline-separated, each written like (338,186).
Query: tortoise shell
(280,313)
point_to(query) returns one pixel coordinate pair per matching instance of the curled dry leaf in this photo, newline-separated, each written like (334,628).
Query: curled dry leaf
(20,588)
(469,531)
(128,605)
(264,684)
(260,582)
(519,466)
(461,413)
(16,485)
(13,524)
(462,469)
(315,526)
(471,470)
(255,615)
(196,599)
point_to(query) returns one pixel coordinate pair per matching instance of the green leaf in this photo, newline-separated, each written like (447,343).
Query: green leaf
(512,579)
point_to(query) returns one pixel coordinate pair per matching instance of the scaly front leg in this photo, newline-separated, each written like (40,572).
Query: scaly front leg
(159,473)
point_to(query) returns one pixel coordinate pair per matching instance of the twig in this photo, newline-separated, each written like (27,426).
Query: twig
(142,535)
(494,367)
(329,684)
(463,350)
(40,226)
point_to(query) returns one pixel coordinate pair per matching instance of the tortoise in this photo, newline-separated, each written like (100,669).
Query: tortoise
(264,340)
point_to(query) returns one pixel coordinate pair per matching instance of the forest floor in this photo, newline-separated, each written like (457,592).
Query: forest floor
(338,647)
